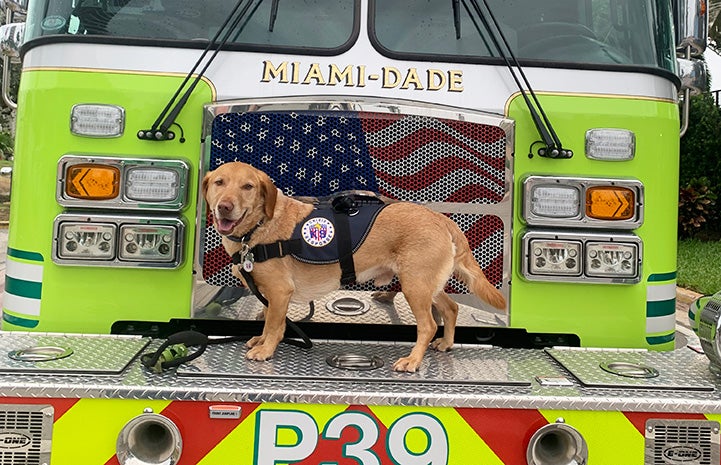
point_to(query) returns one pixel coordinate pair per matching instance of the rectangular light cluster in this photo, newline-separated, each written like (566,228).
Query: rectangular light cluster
(577,256)
(122,183)
(583,202)
(118,241)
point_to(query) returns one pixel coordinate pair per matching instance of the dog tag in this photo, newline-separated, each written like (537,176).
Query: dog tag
(248,263)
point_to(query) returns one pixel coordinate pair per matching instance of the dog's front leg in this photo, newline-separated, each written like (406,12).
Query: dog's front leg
(263,347)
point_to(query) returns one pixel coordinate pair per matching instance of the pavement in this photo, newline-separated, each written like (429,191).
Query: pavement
(683,296)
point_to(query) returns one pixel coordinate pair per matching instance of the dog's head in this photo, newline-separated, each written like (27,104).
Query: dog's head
(239,196)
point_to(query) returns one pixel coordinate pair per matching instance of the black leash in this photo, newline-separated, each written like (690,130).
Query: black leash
(174,351)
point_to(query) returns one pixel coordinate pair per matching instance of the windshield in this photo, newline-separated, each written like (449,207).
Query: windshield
(600,32)
(274,24)
(568,32)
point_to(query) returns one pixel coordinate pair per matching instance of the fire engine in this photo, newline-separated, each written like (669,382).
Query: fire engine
(548,130)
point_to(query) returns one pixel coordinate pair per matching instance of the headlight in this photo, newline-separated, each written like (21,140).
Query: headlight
(118,241)
(577,256)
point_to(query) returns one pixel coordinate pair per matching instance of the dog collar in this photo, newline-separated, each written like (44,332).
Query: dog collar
(245,237)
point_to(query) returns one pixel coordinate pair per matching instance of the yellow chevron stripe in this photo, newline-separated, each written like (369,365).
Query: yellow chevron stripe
(465,446)
(234,448)
(81,434)
(610,436)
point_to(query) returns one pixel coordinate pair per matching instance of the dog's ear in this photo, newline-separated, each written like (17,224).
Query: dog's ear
(204,189)
(270,194)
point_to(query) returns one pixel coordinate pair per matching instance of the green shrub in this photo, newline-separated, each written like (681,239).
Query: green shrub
(697,208)
(701,145)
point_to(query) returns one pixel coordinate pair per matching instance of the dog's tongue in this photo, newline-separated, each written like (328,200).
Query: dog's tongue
(225,226)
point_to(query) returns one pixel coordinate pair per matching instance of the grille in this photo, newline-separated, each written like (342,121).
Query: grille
(406,157)
(25,434)
(682,442)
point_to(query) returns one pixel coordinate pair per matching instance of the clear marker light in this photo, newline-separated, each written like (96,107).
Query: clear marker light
(152,184)
(97,120)
(555,201)
(610,144)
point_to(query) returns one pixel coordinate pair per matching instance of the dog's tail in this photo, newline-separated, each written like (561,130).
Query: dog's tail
(467,270)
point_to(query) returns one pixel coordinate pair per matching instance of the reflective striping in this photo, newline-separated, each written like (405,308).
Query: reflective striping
(655,293)
(661,309)
(22,288)
(661,324)
(197,446)
(658,340)
(503,430)
(85,431)
(662,277)
(21,305)
(639,419)
(24,271)
(19,321)
(97,422)
(25,255)
(610,436)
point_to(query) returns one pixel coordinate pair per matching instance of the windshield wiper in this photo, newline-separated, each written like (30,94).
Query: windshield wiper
(553,148)
(160,130)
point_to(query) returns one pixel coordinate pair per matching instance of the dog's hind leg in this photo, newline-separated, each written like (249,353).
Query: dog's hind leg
(449,311)
(420,299)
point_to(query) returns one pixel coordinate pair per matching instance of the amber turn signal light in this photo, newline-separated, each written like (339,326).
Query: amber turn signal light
(92,181)
(610,203)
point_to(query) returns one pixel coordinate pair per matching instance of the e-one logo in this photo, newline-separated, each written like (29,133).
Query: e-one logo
(11,440)
(682,454)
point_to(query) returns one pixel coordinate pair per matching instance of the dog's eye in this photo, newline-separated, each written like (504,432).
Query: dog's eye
(247,187)
(218,182)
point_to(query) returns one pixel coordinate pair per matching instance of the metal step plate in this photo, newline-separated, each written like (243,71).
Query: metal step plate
(635,369)
(59,354)
(464,364)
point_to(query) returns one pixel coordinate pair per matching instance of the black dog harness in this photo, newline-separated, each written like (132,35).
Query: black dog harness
(331,233)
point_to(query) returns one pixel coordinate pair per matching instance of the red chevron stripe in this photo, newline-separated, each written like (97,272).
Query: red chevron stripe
(60,406)
(504,429)
(200,433)
(639,419)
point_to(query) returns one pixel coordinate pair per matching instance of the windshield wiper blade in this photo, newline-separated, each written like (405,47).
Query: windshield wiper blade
(159,131)
(553,148)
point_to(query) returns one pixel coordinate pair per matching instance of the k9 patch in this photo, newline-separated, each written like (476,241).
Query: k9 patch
(317,232)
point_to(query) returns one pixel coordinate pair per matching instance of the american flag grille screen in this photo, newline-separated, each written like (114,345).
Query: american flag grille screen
(405,157)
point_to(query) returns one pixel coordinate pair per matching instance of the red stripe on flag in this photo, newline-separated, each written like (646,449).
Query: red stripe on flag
(60,406)
(504,429)
(434,171)
(639,419)
(371,122)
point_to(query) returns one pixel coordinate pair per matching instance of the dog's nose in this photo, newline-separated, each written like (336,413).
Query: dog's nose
(225,207)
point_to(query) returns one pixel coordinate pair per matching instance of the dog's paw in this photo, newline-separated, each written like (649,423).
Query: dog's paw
(384,297)
(441,345)
(407,364)
(255,341)
(260,353)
